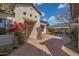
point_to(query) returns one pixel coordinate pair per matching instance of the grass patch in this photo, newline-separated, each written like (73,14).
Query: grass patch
(5,50)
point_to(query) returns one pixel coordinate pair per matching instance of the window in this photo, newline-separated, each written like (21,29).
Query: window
(9,22)
(42,26)
(31,9)
(3,26)
(6,23)
(24,13)
(35,16)
(30,15)
(0,21)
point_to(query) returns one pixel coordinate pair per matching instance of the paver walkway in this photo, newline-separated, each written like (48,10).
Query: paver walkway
(50,46)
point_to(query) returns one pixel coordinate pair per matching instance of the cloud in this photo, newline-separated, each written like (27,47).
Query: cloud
(38,4)
(44,19)
(42,13)
(52,20)
(62,5)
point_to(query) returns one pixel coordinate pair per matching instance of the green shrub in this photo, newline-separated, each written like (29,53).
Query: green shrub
(74,39)
(74,34)
(20,37)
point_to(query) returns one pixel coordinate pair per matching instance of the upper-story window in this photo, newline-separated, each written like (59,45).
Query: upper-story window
(30,15)
(24,13)
(35,16)
(31,9)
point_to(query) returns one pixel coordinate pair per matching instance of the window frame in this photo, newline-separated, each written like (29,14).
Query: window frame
(30,15)
(24,13)
(35,16)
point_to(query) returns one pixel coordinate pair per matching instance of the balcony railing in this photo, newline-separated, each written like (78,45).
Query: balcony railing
(6,8)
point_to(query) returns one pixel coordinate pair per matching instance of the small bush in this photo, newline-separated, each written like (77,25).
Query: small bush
(20,37)
(74,39)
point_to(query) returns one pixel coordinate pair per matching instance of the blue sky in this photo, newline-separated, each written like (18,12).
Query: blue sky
(51,10)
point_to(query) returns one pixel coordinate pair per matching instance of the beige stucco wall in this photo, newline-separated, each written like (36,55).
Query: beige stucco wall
(19,16)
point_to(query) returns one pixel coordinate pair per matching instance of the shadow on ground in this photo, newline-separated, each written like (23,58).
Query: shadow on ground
(54,45)
(28,50)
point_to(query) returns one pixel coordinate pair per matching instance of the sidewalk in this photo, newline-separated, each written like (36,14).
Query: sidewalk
(46,37)
(51,46)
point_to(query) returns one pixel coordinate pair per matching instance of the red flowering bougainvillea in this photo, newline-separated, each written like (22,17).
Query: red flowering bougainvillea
(21,26)
(17,26)
(49,29)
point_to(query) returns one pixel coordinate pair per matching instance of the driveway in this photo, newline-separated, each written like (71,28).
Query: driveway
(50,46)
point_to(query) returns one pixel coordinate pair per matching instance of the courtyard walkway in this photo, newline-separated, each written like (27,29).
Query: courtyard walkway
(48,46)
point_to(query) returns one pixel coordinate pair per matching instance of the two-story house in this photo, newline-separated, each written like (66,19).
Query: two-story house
(30,13)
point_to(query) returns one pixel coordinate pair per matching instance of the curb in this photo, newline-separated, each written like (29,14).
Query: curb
(69,51)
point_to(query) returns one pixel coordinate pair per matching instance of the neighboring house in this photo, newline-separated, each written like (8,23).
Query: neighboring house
(6,16)
(62,27)
(43,25)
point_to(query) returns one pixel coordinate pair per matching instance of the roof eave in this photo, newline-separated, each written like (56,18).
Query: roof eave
(37,9)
